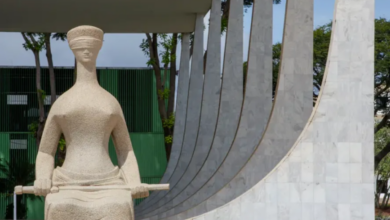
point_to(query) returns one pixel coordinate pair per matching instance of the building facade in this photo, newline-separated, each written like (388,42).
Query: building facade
(135,90)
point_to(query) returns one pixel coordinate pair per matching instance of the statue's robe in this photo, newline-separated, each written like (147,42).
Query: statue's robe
(83,205)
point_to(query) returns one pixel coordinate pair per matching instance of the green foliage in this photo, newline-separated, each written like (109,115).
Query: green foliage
(224,24)
(61,151)
(34,41)
(145,48)
(60,36)
(382,65)
(382,78)
(322,37)
(21,212)
(168,139)
(245,67)
(381,217)
(169,122)
(33,127)
(382,45)
(167,45)
(276,53)
(151,62)
(20,172)
(163,94)
(42,94)
(382,137)
(382,85)
(62,144)
(165,42)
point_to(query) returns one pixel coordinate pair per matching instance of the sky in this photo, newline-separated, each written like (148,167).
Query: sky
(122,50)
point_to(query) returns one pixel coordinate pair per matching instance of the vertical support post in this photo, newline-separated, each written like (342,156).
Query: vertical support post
(15,208)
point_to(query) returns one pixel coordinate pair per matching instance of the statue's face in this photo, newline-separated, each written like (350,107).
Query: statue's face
(86,50)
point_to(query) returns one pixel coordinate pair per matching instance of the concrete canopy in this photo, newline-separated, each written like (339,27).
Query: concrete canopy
(112,16)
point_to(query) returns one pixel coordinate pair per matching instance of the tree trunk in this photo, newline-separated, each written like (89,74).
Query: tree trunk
(161,101)
(192,43)
(168,149)
(382,154)
(49,56)
(382,124)
(204,62)
(225,10)
(162,110)
(163,85)
(172,90)
(153,51)
(41,122)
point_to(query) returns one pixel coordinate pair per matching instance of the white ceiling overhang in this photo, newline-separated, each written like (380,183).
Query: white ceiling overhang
(112,16)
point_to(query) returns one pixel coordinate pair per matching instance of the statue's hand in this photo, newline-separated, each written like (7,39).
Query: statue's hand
(140,191)
(42,187)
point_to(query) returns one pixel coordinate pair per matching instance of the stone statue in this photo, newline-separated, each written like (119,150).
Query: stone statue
(87,115)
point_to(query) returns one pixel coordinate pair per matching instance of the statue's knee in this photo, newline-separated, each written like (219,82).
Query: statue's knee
(85,206)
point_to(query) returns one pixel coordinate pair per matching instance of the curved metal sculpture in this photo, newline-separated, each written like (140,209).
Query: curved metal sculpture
(209,112)
(180,114)
(335,180)
(254,117)
(287,164)
(193,109)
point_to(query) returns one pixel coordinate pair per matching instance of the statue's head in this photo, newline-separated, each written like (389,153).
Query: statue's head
(85,42)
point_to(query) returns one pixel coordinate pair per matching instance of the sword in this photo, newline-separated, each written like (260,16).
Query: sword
(19,190)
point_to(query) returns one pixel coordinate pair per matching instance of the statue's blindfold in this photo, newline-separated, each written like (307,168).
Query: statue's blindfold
(85,43)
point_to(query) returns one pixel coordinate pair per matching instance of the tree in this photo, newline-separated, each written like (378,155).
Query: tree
(382,137)
(49,56)
(19,172)
(61,152)
(276,53)
(57,36)
(150,47)
(35,43)
(382,81)
(321,39)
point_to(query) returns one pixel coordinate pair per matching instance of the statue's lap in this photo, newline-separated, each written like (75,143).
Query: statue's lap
(81,205)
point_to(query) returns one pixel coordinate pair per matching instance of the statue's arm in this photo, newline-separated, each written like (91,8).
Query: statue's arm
(45,159)
(44,164)
(125,153)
